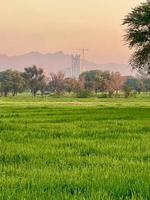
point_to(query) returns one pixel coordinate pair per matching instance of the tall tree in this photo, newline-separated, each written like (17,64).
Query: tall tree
(34,78)
(6,82)
(115,83)
(18,82)
(138,36)
(11,81)
(56,83)
(134,84)
(70,84)
(90,78)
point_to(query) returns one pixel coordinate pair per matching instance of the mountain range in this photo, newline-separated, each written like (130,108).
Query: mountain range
(53,62)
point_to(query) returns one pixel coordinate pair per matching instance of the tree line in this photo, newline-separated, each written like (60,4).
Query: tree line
(35,81)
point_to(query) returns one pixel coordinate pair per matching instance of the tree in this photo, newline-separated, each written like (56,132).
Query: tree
(6,82)
(102,82)
(146,83)
(89,78)
(138,36)
(70,84)
(145,79)
(18,82)
(43,87)
(11,81)
(34,78)
(114,83)
(127,90)
(95,80)
(135,84)
(56,83)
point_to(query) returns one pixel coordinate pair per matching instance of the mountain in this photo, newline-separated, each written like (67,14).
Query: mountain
(49,62)
(124,69)
(53,62)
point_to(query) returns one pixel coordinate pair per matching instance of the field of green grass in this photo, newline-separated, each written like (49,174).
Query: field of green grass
(74,149)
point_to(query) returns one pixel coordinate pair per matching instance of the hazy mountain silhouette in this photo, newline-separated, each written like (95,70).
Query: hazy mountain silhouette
(53,62)
(122,68)
(50,62)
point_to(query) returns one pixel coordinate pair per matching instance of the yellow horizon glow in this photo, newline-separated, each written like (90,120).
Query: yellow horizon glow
(53,25)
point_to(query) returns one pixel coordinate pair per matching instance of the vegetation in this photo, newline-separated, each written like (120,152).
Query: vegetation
(138,36)
(74,148)
(11,81)
(34,80)
(77,148)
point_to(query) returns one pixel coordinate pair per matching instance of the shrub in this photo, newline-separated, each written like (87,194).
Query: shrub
(83,93)
(127,91)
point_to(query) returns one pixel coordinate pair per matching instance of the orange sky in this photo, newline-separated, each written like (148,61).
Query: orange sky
(53,25)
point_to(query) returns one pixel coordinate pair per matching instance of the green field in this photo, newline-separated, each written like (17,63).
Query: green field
(83,149)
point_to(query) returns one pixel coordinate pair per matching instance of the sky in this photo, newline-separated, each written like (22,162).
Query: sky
(64,25)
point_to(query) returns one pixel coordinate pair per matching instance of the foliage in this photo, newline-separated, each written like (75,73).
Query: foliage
(18,82)
(146,83)
(70,85)
(127,90)
(83,93)
(102,81)
(35,79)
(6,82)
(135,84)
(145,79)
(138,36)
(56,83)
(90,79)
(90,83)
(74,149)
(11,81)
(114,83)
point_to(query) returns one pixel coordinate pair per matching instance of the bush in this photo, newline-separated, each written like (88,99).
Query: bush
(83,93)
(127,91)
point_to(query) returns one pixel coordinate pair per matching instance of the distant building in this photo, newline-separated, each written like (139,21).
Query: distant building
(76,66)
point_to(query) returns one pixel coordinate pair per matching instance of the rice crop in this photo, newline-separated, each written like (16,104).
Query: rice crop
(74,149)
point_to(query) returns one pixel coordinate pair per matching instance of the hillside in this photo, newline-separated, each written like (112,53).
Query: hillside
(53,62)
